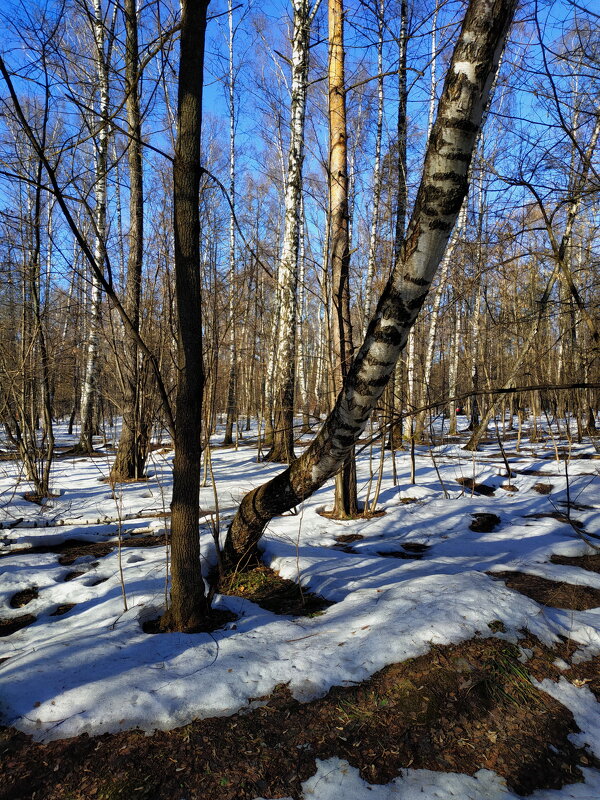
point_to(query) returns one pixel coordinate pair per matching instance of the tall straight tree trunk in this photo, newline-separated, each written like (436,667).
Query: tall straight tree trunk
(231,382)
(376,170)
(433,325)
(439,199)
(189,605)
(131,455)
(401,196)
(282,447)
(89,396)
(345,504)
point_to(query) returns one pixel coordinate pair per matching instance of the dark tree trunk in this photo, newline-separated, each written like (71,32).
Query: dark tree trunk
(189,606)
(130,460)
(439,199)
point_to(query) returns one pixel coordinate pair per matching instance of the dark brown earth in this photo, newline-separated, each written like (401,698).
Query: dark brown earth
(557,594)
(458,708)
(476,488)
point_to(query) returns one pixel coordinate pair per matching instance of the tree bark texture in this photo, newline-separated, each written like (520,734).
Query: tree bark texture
(131,455)
(438,203)
(90,384)
(282,447)
(345,503)
(189,606)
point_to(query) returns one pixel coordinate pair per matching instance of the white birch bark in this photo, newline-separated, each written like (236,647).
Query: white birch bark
(438,203)
(89,391)
(376,171)
(287,275)
(231,388)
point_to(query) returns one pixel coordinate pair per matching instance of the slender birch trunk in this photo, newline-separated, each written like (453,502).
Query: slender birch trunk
(89,396)
(282,448)
(439,199)
(231,383)
(376,170)
(435,312)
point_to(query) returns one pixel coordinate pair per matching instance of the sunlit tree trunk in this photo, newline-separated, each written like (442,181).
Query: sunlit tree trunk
(282,448)
(439,199)
(89,393)
(131,455)
(231,382)
(189,605)
(345,504)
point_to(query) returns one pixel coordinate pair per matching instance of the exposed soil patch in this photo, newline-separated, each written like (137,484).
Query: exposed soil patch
(23,597)
(458,708)
(551,593)
(591,563)
(71,549)
(362,514)
(416,547)
(270,591)
(558,515)
(413,551)
(349,537)
(543,488)
(509,487)
(476,488)
(70,576)
(14,624)
(587,673)
(484,523)
(537,473)
(97,581)
(38,499)
(63,609)
(576,506)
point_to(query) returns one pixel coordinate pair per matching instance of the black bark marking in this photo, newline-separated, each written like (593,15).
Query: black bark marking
(439,225)
(389,335)
(417,281)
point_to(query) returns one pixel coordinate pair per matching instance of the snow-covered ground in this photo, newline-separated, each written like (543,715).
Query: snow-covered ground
(94,670)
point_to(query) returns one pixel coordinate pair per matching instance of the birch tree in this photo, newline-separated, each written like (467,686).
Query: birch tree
(102,58)
(439,199)
(282,448)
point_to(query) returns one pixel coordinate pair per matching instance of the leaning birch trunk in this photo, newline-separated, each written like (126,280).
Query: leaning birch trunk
(439,199)
(282,448)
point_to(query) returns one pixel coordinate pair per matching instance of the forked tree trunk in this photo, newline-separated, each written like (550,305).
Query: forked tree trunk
(189,605)
(439,199)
